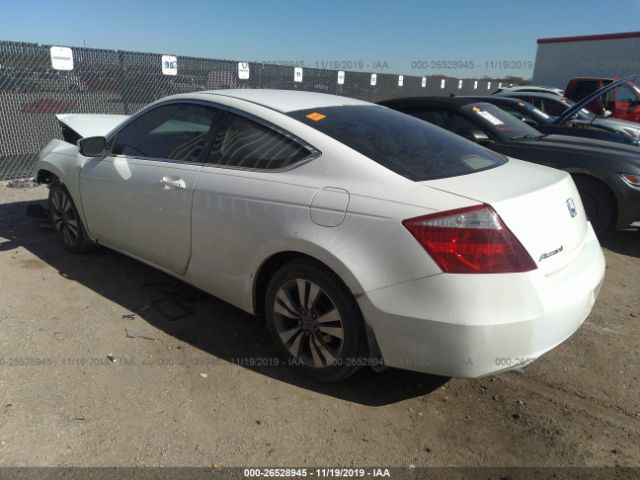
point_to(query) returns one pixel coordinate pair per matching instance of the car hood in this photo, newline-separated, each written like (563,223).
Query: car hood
(583,145)
(91,125)
(619,124)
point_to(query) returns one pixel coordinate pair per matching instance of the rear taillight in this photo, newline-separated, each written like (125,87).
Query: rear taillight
(470,240)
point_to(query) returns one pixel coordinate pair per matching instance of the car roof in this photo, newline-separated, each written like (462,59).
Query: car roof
(285,100)
(516,88)
(604,79)
(500,99)
(549,96)
(447,103)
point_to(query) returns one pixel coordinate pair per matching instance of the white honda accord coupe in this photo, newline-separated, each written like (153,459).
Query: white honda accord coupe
(360,234)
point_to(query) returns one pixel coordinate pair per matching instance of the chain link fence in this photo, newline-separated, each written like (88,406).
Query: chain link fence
(119,82)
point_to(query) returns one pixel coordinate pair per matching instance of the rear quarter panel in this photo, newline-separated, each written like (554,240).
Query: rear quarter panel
(242,218)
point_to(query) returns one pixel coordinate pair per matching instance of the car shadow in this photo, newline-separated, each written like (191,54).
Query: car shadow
(184,312)
(625,242)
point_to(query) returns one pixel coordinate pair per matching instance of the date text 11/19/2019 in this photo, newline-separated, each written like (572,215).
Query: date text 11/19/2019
(471,64)
(317,472)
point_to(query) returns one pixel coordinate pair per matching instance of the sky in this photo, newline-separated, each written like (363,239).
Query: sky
(411,37)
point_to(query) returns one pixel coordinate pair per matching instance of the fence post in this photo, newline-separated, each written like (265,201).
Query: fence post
(123,75)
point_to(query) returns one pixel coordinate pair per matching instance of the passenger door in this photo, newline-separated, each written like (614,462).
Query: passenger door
(138,199)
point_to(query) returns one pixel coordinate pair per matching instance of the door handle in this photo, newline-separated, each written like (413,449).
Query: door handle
(169,183)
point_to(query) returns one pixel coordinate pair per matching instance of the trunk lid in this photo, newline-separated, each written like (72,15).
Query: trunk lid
(540,205)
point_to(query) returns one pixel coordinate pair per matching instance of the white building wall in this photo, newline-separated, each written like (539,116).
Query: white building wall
(557,63)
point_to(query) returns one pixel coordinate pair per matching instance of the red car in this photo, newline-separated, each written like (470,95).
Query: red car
(623,102)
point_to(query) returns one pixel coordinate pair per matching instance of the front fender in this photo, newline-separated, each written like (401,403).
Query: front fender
(62,160)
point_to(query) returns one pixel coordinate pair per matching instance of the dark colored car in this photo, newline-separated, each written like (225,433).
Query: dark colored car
(555,106)
(607,174)
(546,123)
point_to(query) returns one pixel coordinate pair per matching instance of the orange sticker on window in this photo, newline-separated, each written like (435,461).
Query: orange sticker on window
(315,116)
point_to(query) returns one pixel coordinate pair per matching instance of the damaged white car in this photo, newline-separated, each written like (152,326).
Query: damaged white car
(361,234)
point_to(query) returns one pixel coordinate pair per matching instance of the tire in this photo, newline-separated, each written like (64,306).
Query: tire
(66,221)
(315,322)
(598,202)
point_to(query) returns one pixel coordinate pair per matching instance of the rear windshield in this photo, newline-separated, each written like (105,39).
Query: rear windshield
(499,122)
(406,145)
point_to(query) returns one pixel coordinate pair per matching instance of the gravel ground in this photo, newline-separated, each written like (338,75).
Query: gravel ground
(178,393)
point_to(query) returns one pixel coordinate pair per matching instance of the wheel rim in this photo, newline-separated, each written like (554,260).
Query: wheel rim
(308,323)
(64,217)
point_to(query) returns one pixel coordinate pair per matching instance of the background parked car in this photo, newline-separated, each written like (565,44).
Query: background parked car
(555,106)
(607,174)
(529,89)
(547,124)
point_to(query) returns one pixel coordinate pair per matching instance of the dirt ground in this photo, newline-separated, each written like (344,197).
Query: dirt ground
(179,391)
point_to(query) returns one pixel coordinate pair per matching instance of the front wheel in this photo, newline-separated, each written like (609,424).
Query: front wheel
(67,222)
(315,322)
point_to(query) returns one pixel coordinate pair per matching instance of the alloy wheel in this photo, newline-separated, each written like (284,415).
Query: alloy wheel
(308,323)
(64,217)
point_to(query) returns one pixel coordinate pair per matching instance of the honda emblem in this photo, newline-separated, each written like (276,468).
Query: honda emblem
(571,205)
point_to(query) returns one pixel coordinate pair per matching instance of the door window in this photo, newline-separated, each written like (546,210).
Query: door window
(553,107)
(174,132)
(519,114)
(626,94)
(584,88)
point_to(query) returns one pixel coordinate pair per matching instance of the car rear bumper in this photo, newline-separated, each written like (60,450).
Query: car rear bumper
(476,325)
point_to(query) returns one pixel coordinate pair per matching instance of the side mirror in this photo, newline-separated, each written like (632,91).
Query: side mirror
(477,136)
(92,146)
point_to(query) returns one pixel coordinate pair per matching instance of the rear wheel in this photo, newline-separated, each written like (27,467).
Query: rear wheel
(598,202)
(67,222)
(315,322)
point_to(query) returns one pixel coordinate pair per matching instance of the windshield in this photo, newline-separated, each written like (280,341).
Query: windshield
(582,114)
(405,145)
(499,122)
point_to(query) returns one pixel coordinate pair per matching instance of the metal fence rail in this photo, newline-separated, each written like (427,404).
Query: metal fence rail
(110,81)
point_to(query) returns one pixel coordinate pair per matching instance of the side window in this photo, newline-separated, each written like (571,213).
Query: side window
(626,95)
(247,144)
(448,120)
(460,125)
(584,88)
(437,117)
(173,132)
(553,107)
(535,101)
(513,111)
